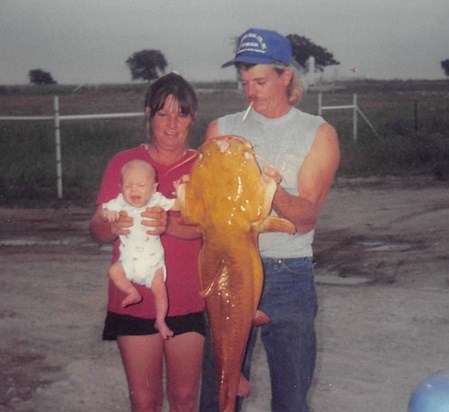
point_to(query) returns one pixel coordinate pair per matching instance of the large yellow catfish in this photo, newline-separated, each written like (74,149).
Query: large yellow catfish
(230,200)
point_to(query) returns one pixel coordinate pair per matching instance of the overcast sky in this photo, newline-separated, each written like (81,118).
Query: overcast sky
(88,41)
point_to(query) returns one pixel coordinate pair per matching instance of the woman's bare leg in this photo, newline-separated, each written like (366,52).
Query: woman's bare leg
(142,358)
(184,371)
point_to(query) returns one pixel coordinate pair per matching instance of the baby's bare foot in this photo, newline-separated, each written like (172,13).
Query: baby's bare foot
(132,298)
(165,332)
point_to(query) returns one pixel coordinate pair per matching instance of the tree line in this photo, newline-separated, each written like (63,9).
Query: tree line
(150,64)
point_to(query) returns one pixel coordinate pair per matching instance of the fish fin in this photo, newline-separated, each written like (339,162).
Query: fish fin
(270,189)
(261,318)
(206,292)
(216,281)
(277,224)
(188,206)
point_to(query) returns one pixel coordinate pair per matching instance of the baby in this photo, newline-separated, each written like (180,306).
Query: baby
(141,255)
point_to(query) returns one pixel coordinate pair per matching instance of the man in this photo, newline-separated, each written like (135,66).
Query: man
(304,152)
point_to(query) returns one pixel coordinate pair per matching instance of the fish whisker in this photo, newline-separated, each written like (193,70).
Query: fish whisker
(182,163)
(266,162)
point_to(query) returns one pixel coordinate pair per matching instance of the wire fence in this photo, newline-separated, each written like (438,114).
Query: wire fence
(57,118)
(392,118)
(356,111)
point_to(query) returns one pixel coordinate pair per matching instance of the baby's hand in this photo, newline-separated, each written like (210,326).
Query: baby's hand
(110,215)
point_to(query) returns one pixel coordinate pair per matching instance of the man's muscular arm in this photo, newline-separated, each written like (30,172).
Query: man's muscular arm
(314,182)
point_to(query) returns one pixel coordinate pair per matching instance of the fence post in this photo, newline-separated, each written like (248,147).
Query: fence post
(416,115)
(354,116)
(58,147)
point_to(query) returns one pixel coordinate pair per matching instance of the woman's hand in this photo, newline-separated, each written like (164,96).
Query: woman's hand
(156,220)
(183,180)
(122,224)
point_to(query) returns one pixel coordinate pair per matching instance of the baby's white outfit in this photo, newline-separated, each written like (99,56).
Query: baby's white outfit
(141,254)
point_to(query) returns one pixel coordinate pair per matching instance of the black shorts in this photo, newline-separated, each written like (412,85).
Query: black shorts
(124,325)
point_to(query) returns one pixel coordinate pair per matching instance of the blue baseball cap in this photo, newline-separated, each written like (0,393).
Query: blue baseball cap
(259,46)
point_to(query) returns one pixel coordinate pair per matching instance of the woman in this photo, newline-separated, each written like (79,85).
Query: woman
(170,109)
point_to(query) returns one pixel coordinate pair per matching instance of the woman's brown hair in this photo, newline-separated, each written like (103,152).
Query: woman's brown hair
(175,85)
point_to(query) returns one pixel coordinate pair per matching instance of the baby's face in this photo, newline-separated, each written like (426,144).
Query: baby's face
(137,186)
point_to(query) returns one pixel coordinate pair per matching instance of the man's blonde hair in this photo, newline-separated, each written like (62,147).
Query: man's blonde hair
(294,89)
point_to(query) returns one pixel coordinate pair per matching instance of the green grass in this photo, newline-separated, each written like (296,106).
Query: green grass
(412,122)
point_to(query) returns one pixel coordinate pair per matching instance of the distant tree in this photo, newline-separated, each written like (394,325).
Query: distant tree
(445,67)
(38,76)
(303,48)
(147,64)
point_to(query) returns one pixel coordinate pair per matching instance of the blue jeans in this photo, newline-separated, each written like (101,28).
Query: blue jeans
(289,299)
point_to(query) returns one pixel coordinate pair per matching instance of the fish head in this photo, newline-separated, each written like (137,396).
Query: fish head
(226,184)
(227,159)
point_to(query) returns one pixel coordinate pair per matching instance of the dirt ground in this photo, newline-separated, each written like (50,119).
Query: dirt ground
(382,272)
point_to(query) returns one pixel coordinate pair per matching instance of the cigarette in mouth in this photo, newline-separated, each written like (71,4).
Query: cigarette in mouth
(247,111)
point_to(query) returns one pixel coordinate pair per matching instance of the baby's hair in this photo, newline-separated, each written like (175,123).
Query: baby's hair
(135,164)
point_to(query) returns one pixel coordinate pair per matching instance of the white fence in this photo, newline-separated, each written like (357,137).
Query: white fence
(57,118)
(355,110)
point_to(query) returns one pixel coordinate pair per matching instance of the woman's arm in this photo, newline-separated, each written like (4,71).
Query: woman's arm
(176,227)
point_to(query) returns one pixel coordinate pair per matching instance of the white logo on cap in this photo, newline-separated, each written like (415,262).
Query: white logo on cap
(247,44)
